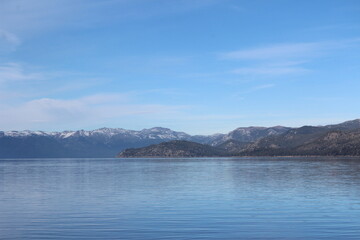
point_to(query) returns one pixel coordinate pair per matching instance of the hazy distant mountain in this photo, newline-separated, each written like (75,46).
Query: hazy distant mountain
(152,133)
(174,148)
(107,142)
(104,142)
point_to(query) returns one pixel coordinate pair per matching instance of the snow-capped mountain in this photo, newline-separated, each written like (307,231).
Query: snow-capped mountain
(26,133)
(103,142)
(152,133)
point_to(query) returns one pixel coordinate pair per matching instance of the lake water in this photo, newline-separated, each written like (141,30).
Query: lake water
(212,198)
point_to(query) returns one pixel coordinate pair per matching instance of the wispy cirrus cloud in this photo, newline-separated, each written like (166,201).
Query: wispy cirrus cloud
(281,51)
(8,41)
(264,86)
(33,92)
(78,112)
(283,59)
(27,17)
(19,81)
(290,51)
(270,70)
(10,72)
(240,95)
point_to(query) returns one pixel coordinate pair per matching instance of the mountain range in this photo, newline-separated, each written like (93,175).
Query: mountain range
(108,142)
(341,139)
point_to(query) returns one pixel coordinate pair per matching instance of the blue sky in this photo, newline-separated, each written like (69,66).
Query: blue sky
(199,66)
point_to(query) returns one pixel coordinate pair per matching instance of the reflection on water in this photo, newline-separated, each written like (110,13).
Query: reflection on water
(247,198)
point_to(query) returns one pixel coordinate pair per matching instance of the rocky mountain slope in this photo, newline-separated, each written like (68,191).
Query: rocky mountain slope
(176,148)
(250,134)
(333,143)
(233,146)
(243,134)
(293,141)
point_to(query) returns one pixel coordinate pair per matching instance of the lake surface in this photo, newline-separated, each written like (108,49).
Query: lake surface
(211,198)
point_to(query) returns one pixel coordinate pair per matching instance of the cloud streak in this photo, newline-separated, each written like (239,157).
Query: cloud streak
(82,112)
(29,17)
(264,86)
(283,59)
(269,70)
(289,51)
(9,37)
(283,51)
(8,41)
(23,103)
(10,72)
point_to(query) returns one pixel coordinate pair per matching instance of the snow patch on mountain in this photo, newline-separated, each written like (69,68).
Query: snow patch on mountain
(152,133)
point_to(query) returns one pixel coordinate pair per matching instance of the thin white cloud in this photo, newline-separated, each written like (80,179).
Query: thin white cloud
(9,37)
(23,105)
(290,51)
(208,117)
(21,81)
(270,70)
(283,51)
(264,86)
(10,72)
(29,16)
(240,95)
(86,111)
(284,59)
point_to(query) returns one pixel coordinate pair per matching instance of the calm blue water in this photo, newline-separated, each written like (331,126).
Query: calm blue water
(245,198)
